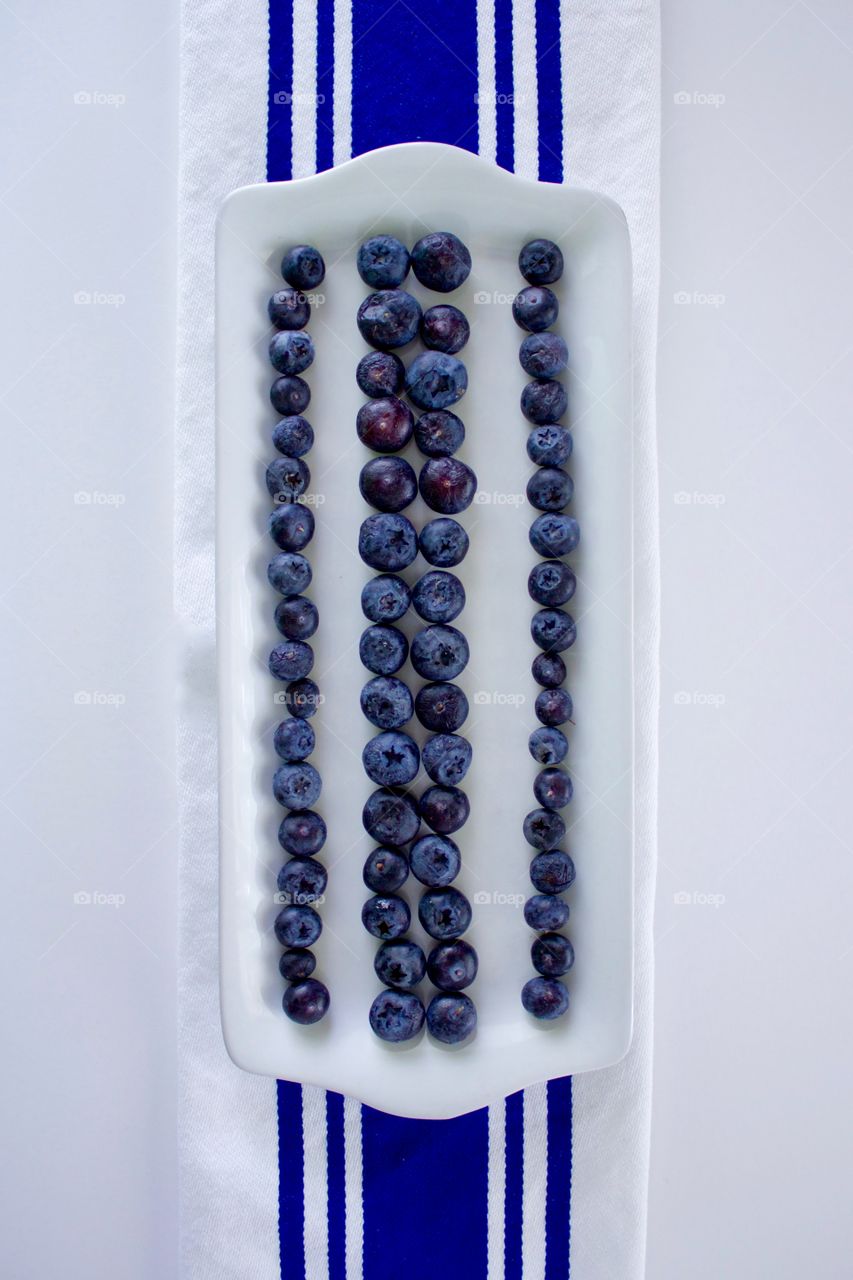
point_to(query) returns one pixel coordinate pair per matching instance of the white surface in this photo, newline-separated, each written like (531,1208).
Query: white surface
(494,213)
(746,1137)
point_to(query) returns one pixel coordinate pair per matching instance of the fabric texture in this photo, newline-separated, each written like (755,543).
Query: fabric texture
(276,1179)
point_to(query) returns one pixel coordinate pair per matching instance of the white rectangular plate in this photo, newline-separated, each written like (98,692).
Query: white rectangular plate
(409,190)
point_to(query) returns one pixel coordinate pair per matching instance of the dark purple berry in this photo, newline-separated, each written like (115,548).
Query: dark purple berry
(289,309)
(385,870)
(303,267)
(380,373)
(552,955)
(439,433)
(444,913)
(553,706)
(385,425)
(441,261)
(445,809)
(553,788)
(435,380)
(552,871)
(444,328)
(441,707)
(545,998)
(290,395)
(452,965)
(543,828)
(306,1002)
(389,318)
(551,582)
(447,485)
(287,478)
(388,484)
(391,818)
(543,355)
(550,489)
(548,669)
(535,308)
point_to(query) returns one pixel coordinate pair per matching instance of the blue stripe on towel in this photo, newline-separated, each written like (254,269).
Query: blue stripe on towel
(420,1175)
(550,95)
(279,118)
(514,1185)
(503,84)
(291,1207)
(325,83)
(558,1197)
(337,1186)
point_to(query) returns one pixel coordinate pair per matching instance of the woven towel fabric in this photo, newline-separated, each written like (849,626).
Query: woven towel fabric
(279,1180)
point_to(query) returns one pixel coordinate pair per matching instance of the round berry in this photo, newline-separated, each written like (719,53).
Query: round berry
(544,402)
(387,541)
(548,669)
(541,262)
(543,355)
(445,809)
(545,911)
(444,328)
(552,955)
(297,926)
(553,706)
(435,860)
(447,485)
(302,834)
(391,759)
(548,746)
(291,661)
(383,649)
(302,881)
(400,964)
(385,870)
(387,702)
(444,913)
(435,380)
(550,489)
(554,535)
(388,484)
(396,1016)
(439,653)
(290,394)
(552,871)
(297,618)
(291,526)
(553,630)
(383,262)
(553,788)
(293,436)
(287,478)
(390,818)
(543,828)
(447,758)
(291,352)
(297,786)
(306,1002)
(441,261)
(380,373)
(441,707)
(452,965)
(439,433)
(289,309)
(545,998)
(549,445)
(303,697)
(535,308)
(297,963)
(451,1018)
(385,598)
(385,425)
(303,267)
(438,596)
(293,740)
(386,916)
(551,582)
(443,542)
(389,318)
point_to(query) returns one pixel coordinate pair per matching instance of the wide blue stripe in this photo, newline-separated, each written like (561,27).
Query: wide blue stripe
(421,1177)
(548,69)
(291,1213)
(337,1186)
(514,1185)
(414,73)
(559,1194)
(279,117)
(325,83)
(504,110)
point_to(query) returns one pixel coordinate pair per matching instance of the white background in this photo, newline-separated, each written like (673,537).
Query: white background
(752,1112)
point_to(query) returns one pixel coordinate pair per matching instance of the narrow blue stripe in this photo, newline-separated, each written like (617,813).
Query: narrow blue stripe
(414,73)
(291,1213)
(505,153)
(337,1186)
(422,1176)
(548,69)
(279,118)
(514,1185)
(558,1199)
(325,83)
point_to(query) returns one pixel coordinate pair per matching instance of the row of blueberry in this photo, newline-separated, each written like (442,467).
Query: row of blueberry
(296,784)
(551,583)
(389,319)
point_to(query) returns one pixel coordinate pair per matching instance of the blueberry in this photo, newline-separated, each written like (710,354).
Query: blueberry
(293,436)
(386,916)
(386,702)
(385,598)
(447,485)
(445,809)
(293,740)
(380,373)
(396,1016)
(535,308)
(435,380)
(548,669)
(385,870)
(297,926)
(438,596)
(291,661)
(545,998)
(543,828)
(452,965)
(553,788)
(439,433)
(291,352)
(291,526)
(302,881)
(441,707)
(441,261)
(544,402)
(400,964)
(302,834)
(383,649)
(385,425)
(444,913)
(306,1002)
(303,698)
(546,911)
(388,484)
(390,818)
(387,541)
(549,445)
(435,860)
(451,1018)
(553,535)
(389,318)
(541,262)
(553,706)
(391,759)
(289,309)
(447,758)
(383,262)
(296,786)
(553,630)
(296,617)
(296,964)
(303,267)
(552,955)
(550,489)
(443,542)
(552,871)
(439,653)
(444,328)
(548,746)
(287,478)
(290,394)
(551,582)
(543,355)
